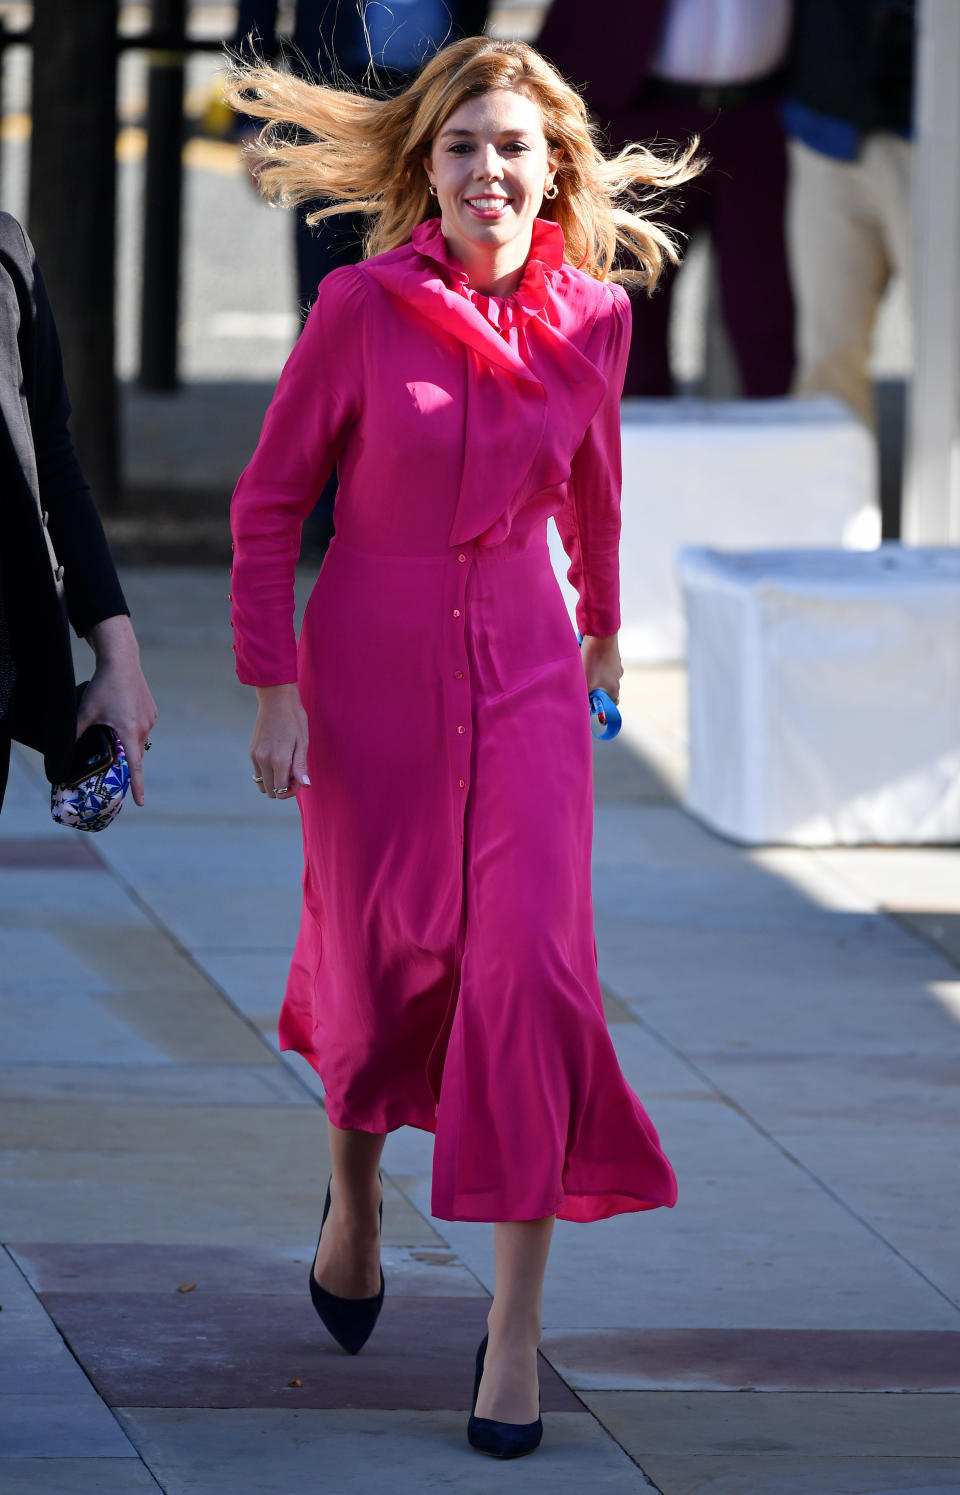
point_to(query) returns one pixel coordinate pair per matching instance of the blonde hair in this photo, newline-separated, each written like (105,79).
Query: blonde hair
(361,153)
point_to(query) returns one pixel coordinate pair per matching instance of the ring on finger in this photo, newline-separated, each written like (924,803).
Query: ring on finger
(257,778)
(284,790)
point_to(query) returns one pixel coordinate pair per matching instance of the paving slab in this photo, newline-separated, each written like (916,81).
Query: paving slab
(173,1084)
(940,928)
(222,859)
(250,918)
(31,1364)
(812,1090)
(895,1181)
(190,1021)
(927,1239)
(199,1349)
(659,835)
(254,982)
(236,1175)
(838,1425)
(873,991)
(217,886)
(922,878)
(754,1242)
(614,1009)
(620,774)
(303,1073)
(655,1069)
(34,899)
(348,1452)
(731,896)
(68,1022)
(71,1425)
(38,962)
(757,1360)
(46,1476)
(231,1174)
(68,1025)
(34,852)
(408,1158)
(148,962)
(95,954)
(410,1271)
(677,1474)
(33,1357)
(26,804)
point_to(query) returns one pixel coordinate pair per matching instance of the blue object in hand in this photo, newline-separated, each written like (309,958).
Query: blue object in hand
(605,720)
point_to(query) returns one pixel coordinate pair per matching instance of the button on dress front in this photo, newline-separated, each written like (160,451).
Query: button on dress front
(445,974)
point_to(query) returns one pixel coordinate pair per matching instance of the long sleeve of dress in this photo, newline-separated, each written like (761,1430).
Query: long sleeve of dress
(316,402)
(589,522)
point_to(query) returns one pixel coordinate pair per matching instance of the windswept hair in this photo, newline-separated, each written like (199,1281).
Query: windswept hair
(357,153)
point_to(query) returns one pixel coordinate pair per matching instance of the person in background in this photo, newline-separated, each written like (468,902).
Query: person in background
(670,69)
(54,560)
(848,112)
(381,45)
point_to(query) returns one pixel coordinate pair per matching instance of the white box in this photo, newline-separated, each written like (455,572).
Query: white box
(824,695)
(743,473)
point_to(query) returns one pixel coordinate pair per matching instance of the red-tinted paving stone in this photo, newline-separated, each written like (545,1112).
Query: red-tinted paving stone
(30,853)
(759,1359)
(217,1350)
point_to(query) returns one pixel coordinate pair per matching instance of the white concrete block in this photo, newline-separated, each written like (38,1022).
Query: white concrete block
(742,473)
(825,695)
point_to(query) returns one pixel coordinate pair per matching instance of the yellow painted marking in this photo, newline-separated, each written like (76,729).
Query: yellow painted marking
(220,156)
(15,127)
(199,154)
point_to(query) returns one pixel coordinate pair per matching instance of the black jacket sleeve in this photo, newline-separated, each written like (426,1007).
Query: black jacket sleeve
(90,581)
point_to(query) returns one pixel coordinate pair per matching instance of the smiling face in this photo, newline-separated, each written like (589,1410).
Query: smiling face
(490,164)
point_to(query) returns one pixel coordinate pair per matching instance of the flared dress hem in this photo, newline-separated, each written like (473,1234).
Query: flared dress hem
(579,1208)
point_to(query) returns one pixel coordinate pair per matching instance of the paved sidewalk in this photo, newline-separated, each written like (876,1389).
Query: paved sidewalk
(792,1327)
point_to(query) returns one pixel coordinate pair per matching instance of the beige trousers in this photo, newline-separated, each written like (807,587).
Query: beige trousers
(847,233)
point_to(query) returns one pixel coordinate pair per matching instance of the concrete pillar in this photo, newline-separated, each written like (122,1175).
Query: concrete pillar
(931,502)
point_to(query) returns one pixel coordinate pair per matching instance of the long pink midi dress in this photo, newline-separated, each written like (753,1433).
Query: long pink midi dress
(445,974)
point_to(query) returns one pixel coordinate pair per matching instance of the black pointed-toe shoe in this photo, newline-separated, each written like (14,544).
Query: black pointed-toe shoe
(350,1320)
(501,1440)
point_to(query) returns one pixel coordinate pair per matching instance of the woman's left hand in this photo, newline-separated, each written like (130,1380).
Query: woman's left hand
(602,665)
(119,695)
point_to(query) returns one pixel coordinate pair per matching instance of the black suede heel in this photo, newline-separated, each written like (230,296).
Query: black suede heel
(501,1440)
(350,1320)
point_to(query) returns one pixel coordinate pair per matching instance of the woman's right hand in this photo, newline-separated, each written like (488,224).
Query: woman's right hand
(278,748)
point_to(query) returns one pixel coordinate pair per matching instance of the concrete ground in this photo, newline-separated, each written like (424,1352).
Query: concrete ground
(791,1019)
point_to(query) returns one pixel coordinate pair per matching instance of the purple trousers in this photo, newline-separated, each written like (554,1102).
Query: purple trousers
(740,200)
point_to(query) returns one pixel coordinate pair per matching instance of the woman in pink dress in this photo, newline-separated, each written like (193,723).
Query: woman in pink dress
(433,719)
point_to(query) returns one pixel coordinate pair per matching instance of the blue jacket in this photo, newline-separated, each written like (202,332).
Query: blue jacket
(327,31)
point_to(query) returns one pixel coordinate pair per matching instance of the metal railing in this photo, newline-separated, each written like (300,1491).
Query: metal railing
(168,47)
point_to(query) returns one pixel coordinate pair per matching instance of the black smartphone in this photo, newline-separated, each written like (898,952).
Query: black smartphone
(93,751)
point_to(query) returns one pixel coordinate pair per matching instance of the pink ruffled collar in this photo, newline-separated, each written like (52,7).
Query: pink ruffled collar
(502,312)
